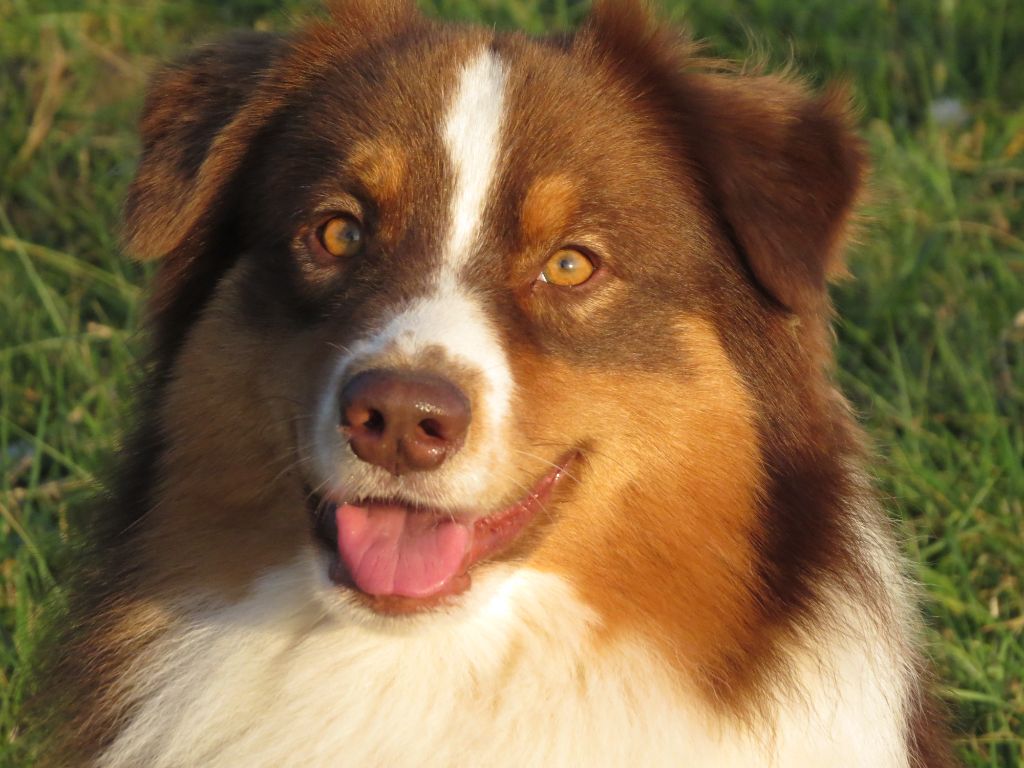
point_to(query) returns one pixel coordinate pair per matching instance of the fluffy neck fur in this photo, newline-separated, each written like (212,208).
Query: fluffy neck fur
(512,677)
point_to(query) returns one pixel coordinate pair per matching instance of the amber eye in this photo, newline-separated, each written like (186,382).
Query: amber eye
(568,267)
(341,236)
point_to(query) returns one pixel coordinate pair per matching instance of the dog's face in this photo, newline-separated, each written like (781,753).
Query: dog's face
(458,303)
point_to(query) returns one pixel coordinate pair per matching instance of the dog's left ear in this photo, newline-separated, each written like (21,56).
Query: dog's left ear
(780,166)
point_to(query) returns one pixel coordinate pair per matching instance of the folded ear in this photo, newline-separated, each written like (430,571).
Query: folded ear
(202,118)
(199,120)
(781,166)
(192,141)
(784,169)
(202,115)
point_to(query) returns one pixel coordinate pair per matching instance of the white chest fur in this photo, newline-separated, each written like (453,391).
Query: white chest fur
(511,678)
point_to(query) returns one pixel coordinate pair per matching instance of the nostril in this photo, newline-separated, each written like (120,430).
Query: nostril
(375,422)
(363,418)
(432,428)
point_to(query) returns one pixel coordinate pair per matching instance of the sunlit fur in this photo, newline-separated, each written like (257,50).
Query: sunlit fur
(712,582)
(512,677)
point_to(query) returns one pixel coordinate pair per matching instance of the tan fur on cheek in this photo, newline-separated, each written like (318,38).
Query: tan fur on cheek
(660,534)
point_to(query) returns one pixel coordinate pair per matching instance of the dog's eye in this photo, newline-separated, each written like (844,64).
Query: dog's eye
(341,236)
(568,267)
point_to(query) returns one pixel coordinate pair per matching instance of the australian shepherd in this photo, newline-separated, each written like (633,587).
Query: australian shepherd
(489,420)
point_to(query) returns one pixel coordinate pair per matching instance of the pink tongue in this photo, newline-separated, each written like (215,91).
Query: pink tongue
(389,550)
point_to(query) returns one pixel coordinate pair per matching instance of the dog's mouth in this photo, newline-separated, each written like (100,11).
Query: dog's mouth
(404,558)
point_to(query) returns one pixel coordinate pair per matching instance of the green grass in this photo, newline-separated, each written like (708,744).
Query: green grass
(931,344)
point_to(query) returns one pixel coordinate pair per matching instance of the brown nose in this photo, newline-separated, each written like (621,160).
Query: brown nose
(403,422)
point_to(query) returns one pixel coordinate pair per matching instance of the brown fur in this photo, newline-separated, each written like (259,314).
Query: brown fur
(691,569)
(710,505)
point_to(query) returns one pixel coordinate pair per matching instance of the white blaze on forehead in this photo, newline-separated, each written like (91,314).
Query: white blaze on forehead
(472,136)
(450,315)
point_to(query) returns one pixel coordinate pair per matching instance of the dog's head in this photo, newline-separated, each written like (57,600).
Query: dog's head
(473,301)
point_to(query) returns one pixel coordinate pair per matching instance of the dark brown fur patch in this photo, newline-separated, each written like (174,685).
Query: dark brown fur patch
(714,486)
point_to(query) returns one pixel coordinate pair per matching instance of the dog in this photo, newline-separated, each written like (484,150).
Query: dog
(489,419)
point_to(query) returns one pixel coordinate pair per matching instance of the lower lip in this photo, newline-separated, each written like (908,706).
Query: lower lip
(492,535)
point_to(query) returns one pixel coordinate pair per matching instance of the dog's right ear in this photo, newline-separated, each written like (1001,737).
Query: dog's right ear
(192,141)
(202,118)
(199,120)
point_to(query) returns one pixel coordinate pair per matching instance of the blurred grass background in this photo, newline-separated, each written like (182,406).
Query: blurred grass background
(931,340)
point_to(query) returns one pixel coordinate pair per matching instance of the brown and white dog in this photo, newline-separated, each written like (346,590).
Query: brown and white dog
(490,419)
